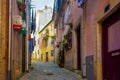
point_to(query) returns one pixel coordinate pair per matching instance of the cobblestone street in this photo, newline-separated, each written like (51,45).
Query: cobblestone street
(49,71)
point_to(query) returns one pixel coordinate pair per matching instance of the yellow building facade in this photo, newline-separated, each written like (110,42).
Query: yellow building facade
(47,36)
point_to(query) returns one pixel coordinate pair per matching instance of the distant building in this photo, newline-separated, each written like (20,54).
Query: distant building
(45,17)
(46,42)
(35,54)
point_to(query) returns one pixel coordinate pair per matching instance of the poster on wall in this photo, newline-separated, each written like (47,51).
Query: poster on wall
(80,2)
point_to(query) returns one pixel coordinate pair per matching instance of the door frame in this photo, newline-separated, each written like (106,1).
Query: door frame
(98,72)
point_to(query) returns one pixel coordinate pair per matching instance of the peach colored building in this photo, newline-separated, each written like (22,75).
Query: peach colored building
(68,24)
(99,46)
(95,42)
(16,58)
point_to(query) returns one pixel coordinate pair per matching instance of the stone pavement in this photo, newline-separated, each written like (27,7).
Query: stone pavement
(49,71)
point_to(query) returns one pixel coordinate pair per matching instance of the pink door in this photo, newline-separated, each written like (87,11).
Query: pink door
(111,47)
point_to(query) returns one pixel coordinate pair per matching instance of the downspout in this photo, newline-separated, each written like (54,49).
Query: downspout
(10,40)
(27,51)
(83,39)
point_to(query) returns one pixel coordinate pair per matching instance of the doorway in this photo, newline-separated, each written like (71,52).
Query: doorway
(78,48)
(23,54)
(111,47)
(46,56)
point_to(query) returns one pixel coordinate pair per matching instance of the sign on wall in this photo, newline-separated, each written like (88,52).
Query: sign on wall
(80,2)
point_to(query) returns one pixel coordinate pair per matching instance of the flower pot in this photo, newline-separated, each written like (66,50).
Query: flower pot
(22,7)
(23,31)
(17,26)
(57,45)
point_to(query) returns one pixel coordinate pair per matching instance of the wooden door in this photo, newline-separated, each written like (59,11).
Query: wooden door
(3,39)
(111,47)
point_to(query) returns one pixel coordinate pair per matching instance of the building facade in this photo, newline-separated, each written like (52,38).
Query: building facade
(35,54)
(106,54)
(47,36)
(18,39)
(45,17)
(12,61)
(92,25)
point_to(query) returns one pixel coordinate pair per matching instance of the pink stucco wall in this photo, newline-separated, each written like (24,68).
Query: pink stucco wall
(75,12)
(89,27)
(74,18)
(113,37)
(16,46)
(15,10)
(93,8)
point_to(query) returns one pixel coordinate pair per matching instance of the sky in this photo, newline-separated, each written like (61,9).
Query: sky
(41,3)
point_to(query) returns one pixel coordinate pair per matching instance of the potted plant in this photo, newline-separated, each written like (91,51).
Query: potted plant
(21,5)
(17,22)
(23,31)
(66,36)
(57,45)
(17,26)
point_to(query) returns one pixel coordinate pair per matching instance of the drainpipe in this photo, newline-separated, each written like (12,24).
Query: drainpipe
(10,40)
(27,52)
(83,40)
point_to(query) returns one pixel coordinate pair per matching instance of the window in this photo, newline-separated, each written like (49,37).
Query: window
(52,53)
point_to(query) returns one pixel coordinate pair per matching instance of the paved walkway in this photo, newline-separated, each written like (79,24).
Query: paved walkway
(49,71)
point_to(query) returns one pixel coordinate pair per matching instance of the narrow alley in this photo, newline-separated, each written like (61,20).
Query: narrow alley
(59,39)
(49,71)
